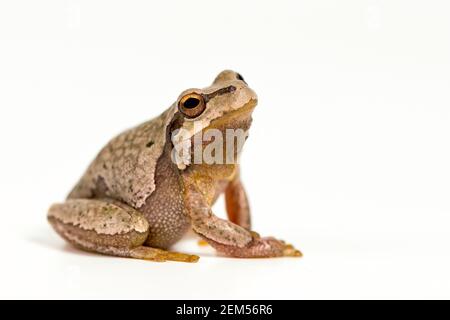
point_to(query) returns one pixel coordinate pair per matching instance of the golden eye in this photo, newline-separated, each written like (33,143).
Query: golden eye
(192,105)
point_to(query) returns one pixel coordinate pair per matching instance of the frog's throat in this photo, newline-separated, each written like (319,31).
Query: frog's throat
(183,136)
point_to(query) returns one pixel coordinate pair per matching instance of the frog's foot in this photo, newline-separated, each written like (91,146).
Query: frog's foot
(108,227)
(290,251)
(153,254)
(267,247)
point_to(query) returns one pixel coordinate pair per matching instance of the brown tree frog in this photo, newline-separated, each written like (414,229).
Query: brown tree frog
(149,185)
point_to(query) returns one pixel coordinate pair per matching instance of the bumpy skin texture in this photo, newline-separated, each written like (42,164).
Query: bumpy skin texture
(116,217)
(126,167)
(165,209)
(138,198)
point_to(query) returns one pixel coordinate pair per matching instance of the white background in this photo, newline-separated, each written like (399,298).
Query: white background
(348,156)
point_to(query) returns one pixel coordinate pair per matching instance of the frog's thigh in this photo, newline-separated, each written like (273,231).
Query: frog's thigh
(107,227)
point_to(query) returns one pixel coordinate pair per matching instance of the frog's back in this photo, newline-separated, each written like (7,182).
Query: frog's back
(125,168)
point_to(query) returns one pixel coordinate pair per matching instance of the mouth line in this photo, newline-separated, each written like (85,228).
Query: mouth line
(246,108)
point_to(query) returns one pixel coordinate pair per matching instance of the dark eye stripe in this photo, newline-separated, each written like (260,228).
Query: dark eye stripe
(219,92)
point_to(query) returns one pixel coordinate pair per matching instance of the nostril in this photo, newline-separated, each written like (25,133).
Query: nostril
(240,77)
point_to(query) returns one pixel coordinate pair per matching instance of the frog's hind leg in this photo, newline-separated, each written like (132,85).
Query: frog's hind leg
(108,227)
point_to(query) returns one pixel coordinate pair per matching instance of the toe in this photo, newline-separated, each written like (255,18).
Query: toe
(290,251)
(181,257)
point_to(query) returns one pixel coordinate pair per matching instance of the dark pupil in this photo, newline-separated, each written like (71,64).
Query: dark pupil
(191,103)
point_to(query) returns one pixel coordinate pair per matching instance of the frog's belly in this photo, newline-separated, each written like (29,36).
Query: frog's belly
(165,209)
(167,226)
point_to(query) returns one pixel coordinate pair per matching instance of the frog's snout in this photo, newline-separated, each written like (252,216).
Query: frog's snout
(229,75)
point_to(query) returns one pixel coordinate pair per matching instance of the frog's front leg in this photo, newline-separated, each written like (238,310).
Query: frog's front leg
(238,209)
(227,237)
(108,227)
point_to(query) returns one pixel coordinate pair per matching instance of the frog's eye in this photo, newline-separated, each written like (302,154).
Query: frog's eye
(192,105)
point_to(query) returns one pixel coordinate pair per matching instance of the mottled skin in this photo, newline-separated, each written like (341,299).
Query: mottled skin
(135,200)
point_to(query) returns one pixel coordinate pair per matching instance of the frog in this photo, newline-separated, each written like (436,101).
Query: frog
(145,189)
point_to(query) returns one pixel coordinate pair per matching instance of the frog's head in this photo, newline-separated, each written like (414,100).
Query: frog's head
(225,107)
